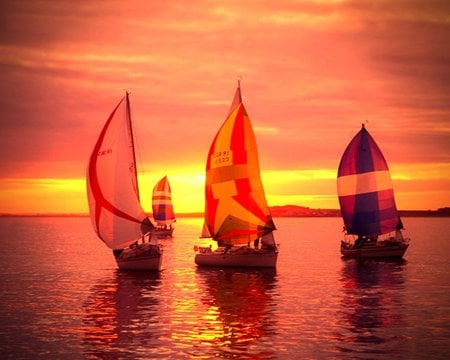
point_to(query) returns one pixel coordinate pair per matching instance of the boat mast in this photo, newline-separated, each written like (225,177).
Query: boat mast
(239,87)
(132,143)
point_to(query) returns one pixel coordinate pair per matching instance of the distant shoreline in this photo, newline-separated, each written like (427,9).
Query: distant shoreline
(300,211)
(276,211)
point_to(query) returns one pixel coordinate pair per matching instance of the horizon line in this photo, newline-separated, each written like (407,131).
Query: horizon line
(201,213)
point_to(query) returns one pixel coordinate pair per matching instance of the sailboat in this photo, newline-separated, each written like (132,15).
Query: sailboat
(373,228)
(236,211)
(113,194)
(162,207)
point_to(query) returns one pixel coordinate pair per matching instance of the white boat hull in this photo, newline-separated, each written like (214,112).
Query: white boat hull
(376,250)
(253,258)
(142,257)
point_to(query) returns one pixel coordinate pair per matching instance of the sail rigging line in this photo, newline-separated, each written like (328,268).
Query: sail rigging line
(130,128)
(101,201)
(137,153)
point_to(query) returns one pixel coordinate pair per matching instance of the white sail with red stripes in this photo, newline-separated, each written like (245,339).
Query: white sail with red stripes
(113,195)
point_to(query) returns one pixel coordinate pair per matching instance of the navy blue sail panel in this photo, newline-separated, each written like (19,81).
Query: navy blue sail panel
(365,191)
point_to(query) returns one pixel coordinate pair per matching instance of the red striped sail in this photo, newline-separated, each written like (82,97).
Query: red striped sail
(162,203)
(236,208)
(116,214)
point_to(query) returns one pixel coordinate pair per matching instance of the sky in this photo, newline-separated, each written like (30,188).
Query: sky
(311,73)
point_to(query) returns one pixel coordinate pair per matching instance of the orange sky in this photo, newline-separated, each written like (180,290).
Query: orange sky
(311,72)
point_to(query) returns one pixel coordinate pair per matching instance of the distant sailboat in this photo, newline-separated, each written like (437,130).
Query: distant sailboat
(113,195)
(366,198)
(162,207)
(236,211)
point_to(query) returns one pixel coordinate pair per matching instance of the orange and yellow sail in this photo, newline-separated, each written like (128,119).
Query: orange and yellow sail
(236,208)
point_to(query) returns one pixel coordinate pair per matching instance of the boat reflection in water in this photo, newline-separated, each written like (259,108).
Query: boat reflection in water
(239,311)
(120,315)
(371,307)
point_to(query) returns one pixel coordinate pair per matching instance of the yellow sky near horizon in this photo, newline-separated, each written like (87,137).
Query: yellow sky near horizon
(316,189)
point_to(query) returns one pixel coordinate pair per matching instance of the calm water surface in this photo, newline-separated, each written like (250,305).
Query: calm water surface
(61,296)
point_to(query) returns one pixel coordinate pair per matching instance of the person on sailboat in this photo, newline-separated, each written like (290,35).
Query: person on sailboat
(398,231)
(227,248)
(267,247)
(134,245)
(117,252)
(360,241)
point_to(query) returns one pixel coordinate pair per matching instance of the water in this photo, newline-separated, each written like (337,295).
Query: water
(62,297)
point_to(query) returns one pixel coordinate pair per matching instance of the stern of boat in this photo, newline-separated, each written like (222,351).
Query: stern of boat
(141,257)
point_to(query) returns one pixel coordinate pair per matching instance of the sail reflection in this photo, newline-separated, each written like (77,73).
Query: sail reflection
(371,306)
(120,311)
(239,309)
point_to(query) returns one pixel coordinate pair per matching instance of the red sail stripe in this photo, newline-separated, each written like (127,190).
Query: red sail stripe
(245,198)
(100,200)
(237,141)
(240,233)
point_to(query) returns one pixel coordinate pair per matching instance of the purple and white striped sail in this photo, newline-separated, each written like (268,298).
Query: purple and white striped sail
(365,190)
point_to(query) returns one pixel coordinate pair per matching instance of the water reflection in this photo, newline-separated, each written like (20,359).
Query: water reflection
(239,311)
(371,307)
(121,312)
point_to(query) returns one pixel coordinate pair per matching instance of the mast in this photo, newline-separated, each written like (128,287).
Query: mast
(239,88)
(130,126)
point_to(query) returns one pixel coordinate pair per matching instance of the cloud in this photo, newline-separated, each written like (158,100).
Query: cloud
(266,130)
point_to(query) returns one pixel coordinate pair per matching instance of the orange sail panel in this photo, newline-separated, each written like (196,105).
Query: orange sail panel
(162,203)
(236,207)
(116,214)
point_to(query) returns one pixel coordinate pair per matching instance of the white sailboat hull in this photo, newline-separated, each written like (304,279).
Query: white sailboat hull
(252,258)
(375,250)
(141,257)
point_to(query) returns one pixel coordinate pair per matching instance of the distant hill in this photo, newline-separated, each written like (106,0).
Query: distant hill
(301,211)
(441,212)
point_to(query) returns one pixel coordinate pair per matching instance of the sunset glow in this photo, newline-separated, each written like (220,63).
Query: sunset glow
(311,72)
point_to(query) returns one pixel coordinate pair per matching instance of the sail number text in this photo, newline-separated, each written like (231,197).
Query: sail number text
(104,152)
(221,157)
